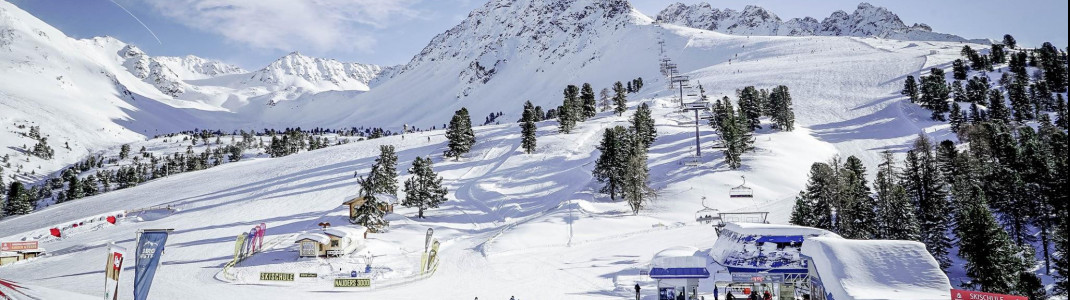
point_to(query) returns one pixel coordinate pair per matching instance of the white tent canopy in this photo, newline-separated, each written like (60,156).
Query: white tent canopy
(877,269)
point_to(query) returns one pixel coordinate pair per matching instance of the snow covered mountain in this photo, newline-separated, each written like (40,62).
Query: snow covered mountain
(191,67)
(320,74)
(866,21)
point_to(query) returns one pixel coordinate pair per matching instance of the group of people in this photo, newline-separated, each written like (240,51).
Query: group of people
(753,296)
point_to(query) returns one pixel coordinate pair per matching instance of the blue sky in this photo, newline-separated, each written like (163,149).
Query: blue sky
(252,33)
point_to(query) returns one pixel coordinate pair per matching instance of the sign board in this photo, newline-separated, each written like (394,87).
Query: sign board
(267,276)
(18,246)
(308,275)
(335,252)
(971,295)
(352,282)
(757,277)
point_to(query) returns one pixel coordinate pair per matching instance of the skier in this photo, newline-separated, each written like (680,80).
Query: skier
(512,298)
(637,291)
(729,296)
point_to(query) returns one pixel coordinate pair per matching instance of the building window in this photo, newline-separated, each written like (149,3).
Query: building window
(334,243)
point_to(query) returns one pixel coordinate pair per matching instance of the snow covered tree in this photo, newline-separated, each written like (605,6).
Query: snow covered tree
(643,125)
(610,167)
(565,119)
(813,206)
(527,128)
(927,191)
(910,89)
(604,98)
(856,218)
(781,111)
(124,151)
(460,134)
(89,186)
(895,218)
(19,201)
(74,188)
(959,70)
(977,90)
(1009,41)
(620,98)
(590,108)
(999,53)
(424,189)
(750,108)
(1062,256)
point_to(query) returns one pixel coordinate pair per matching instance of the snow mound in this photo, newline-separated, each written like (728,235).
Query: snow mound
(877,269)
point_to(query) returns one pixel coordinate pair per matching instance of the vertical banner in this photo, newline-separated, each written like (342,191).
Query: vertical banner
(116,255)
(432,255)
(239,245)
(150,245)
(263,231)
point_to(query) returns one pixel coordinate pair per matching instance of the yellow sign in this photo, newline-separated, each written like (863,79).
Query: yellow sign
(352,282)
(266,276)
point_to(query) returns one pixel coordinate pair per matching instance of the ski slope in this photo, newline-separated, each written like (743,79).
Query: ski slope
(530,226)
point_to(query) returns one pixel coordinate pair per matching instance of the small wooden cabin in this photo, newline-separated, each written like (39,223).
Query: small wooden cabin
(331,242)
(356,202)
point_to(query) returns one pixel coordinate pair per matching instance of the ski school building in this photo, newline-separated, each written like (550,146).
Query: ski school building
(794,262)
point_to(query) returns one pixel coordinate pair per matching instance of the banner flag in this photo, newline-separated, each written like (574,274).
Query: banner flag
(239,245)
(116,255)
(150,246)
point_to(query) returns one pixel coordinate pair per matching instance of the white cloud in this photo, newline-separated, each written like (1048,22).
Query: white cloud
(316,25)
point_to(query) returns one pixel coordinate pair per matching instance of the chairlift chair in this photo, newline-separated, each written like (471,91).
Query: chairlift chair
(706,215)
(741,191)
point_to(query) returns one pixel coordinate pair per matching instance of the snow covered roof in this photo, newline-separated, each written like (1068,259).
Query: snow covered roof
(679,257)
(344,231)
(776,230)
(315,236)
(877,269)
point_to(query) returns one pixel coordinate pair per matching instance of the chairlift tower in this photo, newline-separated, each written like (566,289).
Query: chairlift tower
(696,106)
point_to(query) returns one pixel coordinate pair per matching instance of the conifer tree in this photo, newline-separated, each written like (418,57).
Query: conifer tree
(934,92)
(384,173)
(527,128)
(999,54)
(590,108)
(813,206)
(18,200)
(1062,256)
(977,90)
(750,108)
(604,99)
(636,176)
(782,113)
(956,119)
(856,218)
(925,185)
(1023,108)
(620,98)
(895,215)
(1061,112)
(643,125)
(565,119)
(736,137)
(1010,42)
(910,89)
(573,102)
(460,134)
(372,214)
(959,69)
(991,257)
(424,189)
(610,167)
(997,107)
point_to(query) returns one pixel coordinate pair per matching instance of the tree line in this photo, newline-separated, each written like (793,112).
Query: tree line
(736,126)
(994,199)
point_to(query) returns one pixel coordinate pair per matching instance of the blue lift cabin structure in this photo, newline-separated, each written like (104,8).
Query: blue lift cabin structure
(677,271)
(759,257)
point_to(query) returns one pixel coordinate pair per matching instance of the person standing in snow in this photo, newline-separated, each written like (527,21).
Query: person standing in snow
(767,296)
(754,295)
(637,291)
(729,296)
